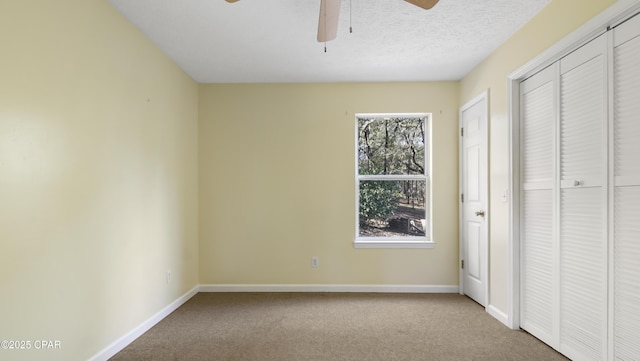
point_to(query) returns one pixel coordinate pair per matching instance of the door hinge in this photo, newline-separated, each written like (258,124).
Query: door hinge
(462,197)
(462,132)
(462,263)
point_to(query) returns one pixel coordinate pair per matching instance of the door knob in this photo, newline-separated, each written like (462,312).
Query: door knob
(480,213)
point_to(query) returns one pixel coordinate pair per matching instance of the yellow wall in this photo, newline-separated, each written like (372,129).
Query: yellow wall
(98,177)
(277,184)
(556,21)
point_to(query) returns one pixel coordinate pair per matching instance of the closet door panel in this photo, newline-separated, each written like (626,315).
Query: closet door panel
(627,273)
(538,122)
(537,269)
(537,276)
(582,233)
(626,150)
(583,276)
(627,104)
(583,115)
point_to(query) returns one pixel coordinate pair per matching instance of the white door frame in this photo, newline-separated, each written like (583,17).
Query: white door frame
(613,15)
(483,97)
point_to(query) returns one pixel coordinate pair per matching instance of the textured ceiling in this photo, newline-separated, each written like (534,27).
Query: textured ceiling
(275,40)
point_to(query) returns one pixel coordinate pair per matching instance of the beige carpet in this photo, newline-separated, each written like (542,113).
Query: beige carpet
(333,327)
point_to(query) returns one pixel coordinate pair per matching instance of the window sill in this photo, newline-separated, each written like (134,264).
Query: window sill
(392,243)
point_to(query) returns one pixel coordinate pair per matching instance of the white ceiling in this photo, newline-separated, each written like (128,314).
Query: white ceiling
(275,40)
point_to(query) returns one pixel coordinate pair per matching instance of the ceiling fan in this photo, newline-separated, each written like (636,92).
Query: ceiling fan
(330,9)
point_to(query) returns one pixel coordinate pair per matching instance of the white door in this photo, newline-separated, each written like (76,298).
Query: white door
(473,199)
(563,204)
(538,234)
(582,202)
(626,191)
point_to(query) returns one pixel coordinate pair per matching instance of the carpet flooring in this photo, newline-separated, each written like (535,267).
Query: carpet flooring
(333,327)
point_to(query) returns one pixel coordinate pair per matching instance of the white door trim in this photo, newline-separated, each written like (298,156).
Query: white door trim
(483,97)
(613,15)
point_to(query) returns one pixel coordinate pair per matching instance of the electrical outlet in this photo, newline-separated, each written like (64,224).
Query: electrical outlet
(168,276)
(314,262)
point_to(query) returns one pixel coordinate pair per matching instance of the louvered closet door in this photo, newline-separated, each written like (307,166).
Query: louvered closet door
(583,237)
(537,270)
(626,150)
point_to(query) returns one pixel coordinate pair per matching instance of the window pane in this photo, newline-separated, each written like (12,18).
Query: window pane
(392,208)
(391,146)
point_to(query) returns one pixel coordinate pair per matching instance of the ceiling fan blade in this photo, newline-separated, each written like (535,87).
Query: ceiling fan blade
(231,1)
(425,4)
(328,20)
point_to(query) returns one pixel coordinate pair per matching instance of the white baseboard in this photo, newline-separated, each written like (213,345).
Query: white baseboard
(498,315)
(327,288)
(125,340)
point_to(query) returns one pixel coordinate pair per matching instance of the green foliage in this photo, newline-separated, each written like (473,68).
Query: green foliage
(378,199)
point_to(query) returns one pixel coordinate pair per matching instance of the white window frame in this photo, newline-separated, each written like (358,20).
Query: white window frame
(396,242)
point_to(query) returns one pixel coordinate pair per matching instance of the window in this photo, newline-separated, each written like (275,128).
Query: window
(392,180)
